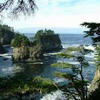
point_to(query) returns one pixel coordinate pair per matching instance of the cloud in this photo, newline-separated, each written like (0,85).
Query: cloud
(61,13)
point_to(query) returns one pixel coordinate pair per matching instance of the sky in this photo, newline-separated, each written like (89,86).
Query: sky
(59,14)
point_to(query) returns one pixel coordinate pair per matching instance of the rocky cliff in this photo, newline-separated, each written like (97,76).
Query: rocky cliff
(94,90)
(6,34)
(51,43)
(27,54)
(48,40)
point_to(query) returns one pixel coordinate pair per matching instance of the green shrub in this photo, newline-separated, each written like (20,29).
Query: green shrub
(42,33)
(20,40)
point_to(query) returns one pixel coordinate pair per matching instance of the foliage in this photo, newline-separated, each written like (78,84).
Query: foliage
(65,55)
(77,85)
(42,33)
(6,33)
(20,40)
(62,65)
(44,84)
(20,85)
(93,32)
(79,49)
(15,7)
(60,74)
(97,57)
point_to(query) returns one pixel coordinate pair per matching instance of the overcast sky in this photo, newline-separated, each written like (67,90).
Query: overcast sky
(60,13)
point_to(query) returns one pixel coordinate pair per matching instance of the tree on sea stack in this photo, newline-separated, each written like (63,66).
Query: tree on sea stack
(76,87)
(48,40)
(94,33)
(20,41)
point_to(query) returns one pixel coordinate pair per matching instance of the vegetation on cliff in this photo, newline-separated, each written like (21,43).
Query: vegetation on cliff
(19,86)
(20,41)
(48,40)
(6,34)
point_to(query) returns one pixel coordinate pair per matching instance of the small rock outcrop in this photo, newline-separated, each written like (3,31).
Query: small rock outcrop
(2,49)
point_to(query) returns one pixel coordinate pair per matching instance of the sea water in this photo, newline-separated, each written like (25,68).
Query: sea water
(45,70)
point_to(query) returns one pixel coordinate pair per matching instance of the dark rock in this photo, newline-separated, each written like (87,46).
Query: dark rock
(7,38)
(2,49)
(50,43)
(6,34)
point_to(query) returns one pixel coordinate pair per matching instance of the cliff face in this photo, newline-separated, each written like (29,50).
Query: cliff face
(7,34)
(7,38)
(50,43)
(95,87)
(27,54)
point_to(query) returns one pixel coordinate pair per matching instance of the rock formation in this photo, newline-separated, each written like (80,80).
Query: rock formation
(48,40)
(94,89)
(25,50)
(51,43)
(2,50)
(6,34)
(27,54)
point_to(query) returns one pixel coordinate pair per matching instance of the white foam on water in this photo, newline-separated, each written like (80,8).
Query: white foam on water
(58,95)
(67,45)
(90,47)
(10,70)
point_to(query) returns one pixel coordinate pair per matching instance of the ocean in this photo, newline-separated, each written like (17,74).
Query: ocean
(45,70)
(70,39)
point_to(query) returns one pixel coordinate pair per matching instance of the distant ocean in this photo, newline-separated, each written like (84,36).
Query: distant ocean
(71,39)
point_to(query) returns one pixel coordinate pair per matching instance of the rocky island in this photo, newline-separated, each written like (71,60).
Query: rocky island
(25,50)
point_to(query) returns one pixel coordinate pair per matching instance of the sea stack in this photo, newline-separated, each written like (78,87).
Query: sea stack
(25,50)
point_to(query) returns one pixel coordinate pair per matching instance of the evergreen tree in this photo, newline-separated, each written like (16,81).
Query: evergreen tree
(94,33)
(20,40)
(76,87)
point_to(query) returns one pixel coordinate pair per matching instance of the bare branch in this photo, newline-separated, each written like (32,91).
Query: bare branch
(17,7)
